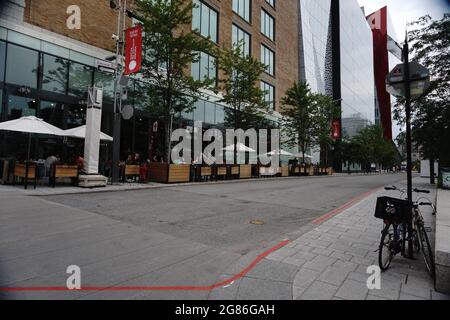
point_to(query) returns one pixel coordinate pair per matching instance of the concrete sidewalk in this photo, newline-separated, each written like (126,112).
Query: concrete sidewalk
(330,262)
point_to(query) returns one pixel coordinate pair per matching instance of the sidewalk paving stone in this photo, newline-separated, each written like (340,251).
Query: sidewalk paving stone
(319,291)
(305,277)
(319,263)
(352,290)
(334,257)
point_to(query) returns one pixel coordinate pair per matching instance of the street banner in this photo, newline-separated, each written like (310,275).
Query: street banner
(336,129)
(133,55)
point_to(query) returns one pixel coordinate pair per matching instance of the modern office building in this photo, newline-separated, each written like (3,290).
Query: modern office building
(46,66)
(336,58)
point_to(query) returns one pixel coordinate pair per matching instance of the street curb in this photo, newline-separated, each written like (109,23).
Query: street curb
(345,206)
(163,186)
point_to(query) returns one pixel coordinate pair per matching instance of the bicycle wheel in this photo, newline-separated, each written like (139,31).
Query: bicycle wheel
(425,245)
(387,243)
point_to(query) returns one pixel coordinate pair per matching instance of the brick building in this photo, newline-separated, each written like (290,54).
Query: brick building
(46,67)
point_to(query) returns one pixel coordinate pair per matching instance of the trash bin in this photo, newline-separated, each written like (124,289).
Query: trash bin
(445,172)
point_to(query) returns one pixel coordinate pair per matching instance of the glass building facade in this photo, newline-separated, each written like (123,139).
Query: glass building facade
(336,59)
(39,78)
(355,57)
(357,73)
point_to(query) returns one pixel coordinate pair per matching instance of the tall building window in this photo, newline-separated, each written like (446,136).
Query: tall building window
(55,71)
(243,39)
(268,59)
(22,66)
(204,68)
(242,8)
(204,20)
(269,94)
(267,25)
(271,2)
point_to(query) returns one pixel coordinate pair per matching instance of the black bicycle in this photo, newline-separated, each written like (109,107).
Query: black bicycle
(395,235)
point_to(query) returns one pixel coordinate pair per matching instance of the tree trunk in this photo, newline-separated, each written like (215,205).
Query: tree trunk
(168,136)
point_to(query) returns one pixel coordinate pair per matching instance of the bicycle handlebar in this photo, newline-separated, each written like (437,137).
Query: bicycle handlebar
(414,190)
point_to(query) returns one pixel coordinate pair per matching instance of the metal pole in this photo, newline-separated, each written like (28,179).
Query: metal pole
(408,139)
(117,115)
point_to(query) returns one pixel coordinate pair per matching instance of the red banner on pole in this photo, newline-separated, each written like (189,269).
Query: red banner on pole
(133,55)
(336,129)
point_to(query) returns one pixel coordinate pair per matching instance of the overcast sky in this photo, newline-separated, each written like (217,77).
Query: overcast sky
(403,12)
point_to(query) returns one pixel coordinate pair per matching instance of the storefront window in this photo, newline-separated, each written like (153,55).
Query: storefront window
(21,107)
(141,97)
(199,112)
(54,74)
(1,105)
(22,66)
(220,115)
(80,79)
(105,81)
(2,60)
(210,112)
(52,113)
(76,116)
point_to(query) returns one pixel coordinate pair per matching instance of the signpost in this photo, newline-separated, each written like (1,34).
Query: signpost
(105,66)
(409,80)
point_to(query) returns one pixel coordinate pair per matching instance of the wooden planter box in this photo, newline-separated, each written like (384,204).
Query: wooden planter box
(330,171)
(285,171)
(222,171)
(234,171)
(173,173)
(20,171)
(245,171)
(63,171)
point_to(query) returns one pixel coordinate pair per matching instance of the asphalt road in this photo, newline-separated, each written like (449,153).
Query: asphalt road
(175,235)
(219,215)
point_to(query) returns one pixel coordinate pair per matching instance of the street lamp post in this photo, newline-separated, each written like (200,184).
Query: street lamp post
(121,6)
(408,137)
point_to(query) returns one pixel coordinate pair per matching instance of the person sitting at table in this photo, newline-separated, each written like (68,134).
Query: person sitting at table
(80,163)
(143,171)
(48,164)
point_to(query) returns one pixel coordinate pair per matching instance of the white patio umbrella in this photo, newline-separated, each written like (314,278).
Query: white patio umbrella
(279,152)
(31,125)
(80,133)
(300,155)
(240,147)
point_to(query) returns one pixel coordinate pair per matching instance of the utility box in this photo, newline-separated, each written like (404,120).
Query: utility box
(425,168)
(445,178)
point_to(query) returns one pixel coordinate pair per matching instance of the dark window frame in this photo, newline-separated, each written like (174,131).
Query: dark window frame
(274,25)
(199,31)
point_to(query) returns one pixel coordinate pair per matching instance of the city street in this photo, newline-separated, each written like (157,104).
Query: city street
(174,236)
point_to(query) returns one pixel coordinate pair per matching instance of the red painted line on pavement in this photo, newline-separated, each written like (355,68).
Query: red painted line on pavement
(344,206)
(159,288)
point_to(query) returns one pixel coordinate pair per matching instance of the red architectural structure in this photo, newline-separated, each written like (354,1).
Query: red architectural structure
(378,22)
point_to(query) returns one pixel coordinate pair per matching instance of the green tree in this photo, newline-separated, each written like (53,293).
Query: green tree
(307,117)
(240,89)
(431,112)
(171,48)
(370,147)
